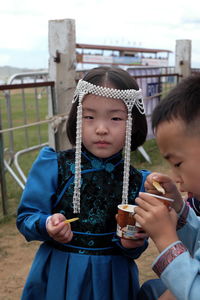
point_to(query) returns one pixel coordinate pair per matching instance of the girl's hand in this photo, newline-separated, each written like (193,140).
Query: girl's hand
(141,237)
(58,230)
(169,186)
(157,220)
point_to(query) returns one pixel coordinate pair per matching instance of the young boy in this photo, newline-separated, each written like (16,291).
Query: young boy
(176,123)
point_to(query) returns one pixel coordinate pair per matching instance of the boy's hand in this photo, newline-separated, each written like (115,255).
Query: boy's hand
(58,230)
(169,186)
(157,220)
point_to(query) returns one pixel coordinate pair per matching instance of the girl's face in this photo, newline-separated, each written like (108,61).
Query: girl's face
(182,151)
(104,125)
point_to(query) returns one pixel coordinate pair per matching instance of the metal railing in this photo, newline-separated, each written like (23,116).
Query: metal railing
(20,111)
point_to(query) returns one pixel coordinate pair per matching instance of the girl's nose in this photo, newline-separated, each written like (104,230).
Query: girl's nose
(101,129)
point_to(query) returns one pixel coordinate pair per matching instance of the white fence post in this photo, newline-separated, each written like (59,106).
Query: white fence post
(183,57)
(62,70)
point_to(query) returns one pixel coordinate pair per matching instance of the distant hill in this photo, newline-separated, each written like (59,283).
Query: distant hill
(7,71)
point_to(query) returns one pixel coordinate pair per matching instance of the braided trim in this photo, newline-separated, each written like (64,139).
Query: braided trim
(168,257)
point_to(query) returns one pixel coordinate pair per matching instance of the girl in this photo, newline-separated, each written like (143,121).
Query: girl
(84,259)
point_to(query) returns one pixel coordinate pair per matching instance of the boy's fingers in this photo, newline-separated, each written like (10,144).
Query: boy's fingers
(160,178)
(141,208)
(146,200)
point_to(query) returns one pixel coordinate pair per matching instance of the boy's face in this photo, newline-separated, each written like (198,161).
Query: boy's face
(104,125)
(182,151)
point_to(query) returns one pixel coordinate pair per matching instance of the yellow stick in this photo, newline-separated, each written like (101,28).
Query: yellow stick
(71,220)
(158,187)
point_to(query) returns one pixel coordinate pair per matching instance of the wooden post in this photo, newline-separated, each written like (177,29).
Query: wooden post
(62,70)
(183,57)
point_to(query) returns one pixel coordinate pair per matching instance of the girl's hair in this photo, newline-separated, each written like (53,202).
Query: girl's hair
(121,80)
(182,102)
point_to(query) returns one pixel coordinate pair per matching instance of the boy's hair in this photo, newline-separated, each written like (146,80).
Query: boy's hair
(182,102)
(121,80)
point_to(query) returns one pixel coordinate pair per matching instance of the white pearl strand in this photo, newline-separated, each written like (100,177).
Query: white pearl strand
(77,176)
(127,151)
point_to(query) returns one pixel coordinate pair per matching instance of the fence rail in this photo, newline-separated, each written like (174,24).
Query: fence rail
(6,87)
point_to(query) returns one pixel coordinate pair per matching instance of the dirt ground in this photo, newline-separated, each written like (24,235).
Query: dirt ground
(16,256)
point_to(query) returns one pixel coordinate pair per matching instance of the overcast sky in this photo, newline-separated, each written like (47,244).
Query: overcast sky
(141,23)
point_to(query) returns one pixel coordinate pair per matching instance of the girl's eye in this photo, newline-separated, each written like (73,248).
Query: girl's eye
(117,119)
(88,117)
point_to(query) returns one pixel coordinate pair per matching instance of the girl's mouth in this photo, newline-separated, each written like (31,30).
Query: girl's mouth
(102,143)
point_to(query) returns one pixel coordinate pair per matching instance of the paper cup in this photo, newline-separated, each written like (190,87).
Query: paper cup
(167,201)
(127,227)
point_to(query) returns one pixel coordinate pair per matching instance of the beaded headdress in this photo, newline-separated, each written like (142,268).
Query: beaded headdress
(130,98)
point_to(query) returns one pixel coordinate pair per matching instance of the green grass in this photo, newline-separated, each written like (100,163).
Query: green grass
(157,161)
(25,109)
